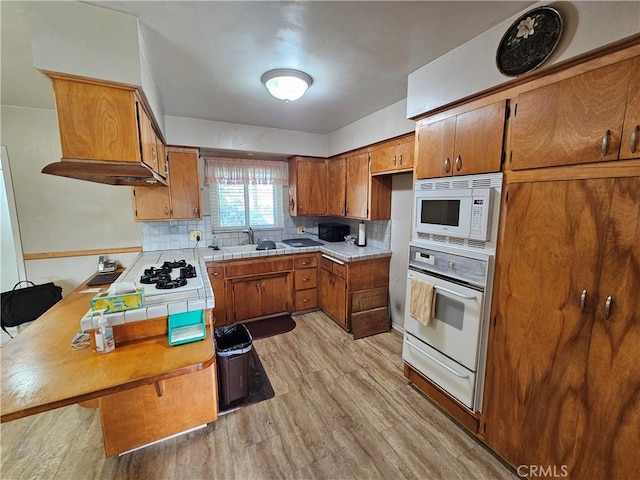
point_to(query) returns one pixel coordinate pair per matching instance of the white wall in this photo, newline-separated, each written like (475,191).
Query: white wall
(401,208)
(247,138)
(81,39)
(386,123)
(471,68)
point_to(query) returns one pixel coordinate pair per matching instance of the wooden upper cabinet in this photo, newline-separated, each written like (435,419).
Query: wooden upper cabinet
(357,183)
(337,186)
(97,122)
(181,199)
(307,186)
(393,157)
(353,192)
(104,122)
(630,147)
(184,183)
(466,144)
(577,120)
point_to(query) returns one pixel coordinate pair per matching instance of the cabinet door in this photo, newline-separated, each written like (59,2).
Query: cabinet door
(333,298)
(357,197)
(152,203)
(162,157)
(275,293)
(435,142)
(608,440)
(404,154)
(247,299)
(96,122)
(184,184)
(479,137)
(549,255)
(216,278)
(383,159)
(148,139)
(336,185)
(311,187)
(570,121)
(630,147)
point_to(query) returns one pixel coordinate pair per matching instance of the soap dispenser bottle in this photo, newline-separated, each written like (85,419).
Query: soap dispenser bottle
(105,342)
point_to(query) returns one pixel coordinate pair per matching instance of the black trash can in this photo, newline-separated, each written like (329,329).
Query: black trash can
(233,346)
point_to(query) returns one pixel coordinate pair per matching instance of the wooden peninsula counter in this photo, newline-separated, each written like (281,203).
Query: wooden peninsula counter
(146,390)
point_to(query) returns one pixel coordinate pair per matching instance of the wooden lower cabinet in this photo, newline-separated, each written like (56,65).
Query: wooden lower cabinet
(563,368)
(306,283)
(339,281)
(133,418)
(216,278)
(259,296)
(333,297)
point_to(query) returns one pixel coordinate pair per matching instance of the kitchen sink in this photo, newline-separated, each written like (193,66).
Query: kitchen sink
(248,248)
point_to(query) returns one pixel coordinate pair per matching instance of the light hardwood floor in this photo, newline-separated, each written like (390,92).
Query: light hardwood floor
(342,410)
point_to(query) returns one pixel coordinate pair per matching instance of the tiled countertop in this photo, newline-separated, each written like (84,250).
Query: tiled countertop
(191,300)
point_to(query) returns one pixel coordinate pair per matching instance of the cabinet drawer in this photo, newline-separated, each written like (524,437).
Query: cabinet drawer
(216,271)
(333,267)
(305,262)
(306,299)
(307,278)
(257,267)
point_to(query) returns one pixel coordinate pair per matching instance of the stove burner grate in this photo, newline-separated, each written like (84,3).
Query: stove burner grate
(169,284)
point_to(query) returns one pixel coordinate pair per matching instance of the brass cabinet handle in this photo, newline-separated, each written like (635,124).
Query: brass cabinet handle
(215,274)
(458,162)
(605,143)
(394,160)
(583,300)
(607,307)
(400,159)
(258,286)
(196,210)
(634,138)
(305,263)
(306,279)
(300,207)
(447,165)
(305,300)
(346,209)
(166,211)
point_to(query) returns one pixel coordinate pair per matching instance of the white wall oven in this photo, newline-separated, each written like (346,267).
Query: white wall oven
(450,350)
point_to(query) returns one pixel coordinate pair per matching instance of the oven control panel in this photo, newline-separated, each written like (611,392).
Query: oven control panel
(465,269)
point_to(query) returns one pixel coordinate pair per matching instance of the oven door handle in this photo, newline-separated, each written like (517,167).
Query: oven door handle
(446,367)
(467,297)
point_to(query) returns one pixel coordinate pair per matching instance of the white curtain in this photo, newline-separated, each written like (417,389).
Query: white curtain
(235,171)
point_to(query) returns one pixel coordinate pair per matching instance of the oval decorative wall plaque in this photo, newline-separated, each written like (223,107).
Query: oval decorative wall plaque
(529,42)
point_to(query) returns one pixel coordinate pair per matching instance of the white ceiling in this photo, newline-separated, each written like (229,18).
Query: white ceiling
(207,57)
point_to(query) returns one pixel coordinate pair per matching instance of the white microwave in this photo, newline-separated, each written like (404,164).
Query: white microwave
(453,209)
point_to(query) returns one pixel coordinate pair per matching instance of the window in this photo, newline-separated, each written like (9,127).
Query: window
(245,193)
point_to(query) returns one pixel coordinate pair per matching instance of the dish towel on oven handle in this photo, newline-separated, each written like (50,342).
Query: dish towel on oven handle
(422,304)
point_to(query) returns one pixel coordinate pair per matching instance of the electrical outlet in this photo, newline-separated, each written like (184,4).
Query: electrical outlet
(195,235)
(300,229)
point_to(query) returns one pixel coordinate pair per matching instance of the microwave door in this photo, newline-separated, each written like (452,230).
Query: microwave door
(443,214)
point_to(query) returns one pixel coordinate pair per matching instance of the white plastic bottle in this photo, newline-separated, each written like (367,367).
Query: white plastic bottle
(105,342)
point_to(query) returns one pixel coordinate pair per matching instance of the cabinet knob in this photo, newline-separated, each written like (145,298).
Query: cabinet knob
(306,279)
(447,165)
(583,300)
(634,139)
(400,159)
(258,286)
(166,211)
(394,160)
(215,274)
(458,162)
(605,143)
(305,263)
(196,210)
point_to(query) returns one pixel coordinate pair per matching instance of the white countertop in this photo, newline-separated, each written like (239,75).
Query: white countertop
(202,298)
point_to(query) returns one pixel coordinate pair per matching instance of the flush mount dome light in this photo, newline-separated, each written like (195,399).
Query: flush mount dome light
(286,84)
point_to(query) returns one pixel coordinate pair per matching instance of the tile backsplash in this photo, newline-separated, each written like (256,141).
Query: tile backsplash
(175,234)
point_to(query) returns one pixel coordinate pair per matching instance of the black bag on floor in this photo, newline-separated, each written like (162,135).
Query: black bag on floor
(22,305)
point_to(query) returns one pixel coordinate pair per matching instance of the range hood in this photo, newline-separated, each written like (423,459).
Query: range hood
(110,173)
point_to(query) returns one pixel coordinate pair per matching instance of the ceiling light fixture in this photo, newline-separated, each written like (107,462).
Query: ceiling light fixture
(286,84)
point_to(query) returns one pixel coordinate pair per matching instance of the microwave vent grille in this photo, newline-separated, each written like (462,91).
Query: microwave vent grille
(492,180)
(459,184)
(477,244)
(443,185)
(426,185)
(482,183)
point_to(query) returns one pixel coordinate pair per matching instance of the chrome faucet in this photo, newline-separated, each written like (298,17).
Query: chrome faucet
(249,232)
